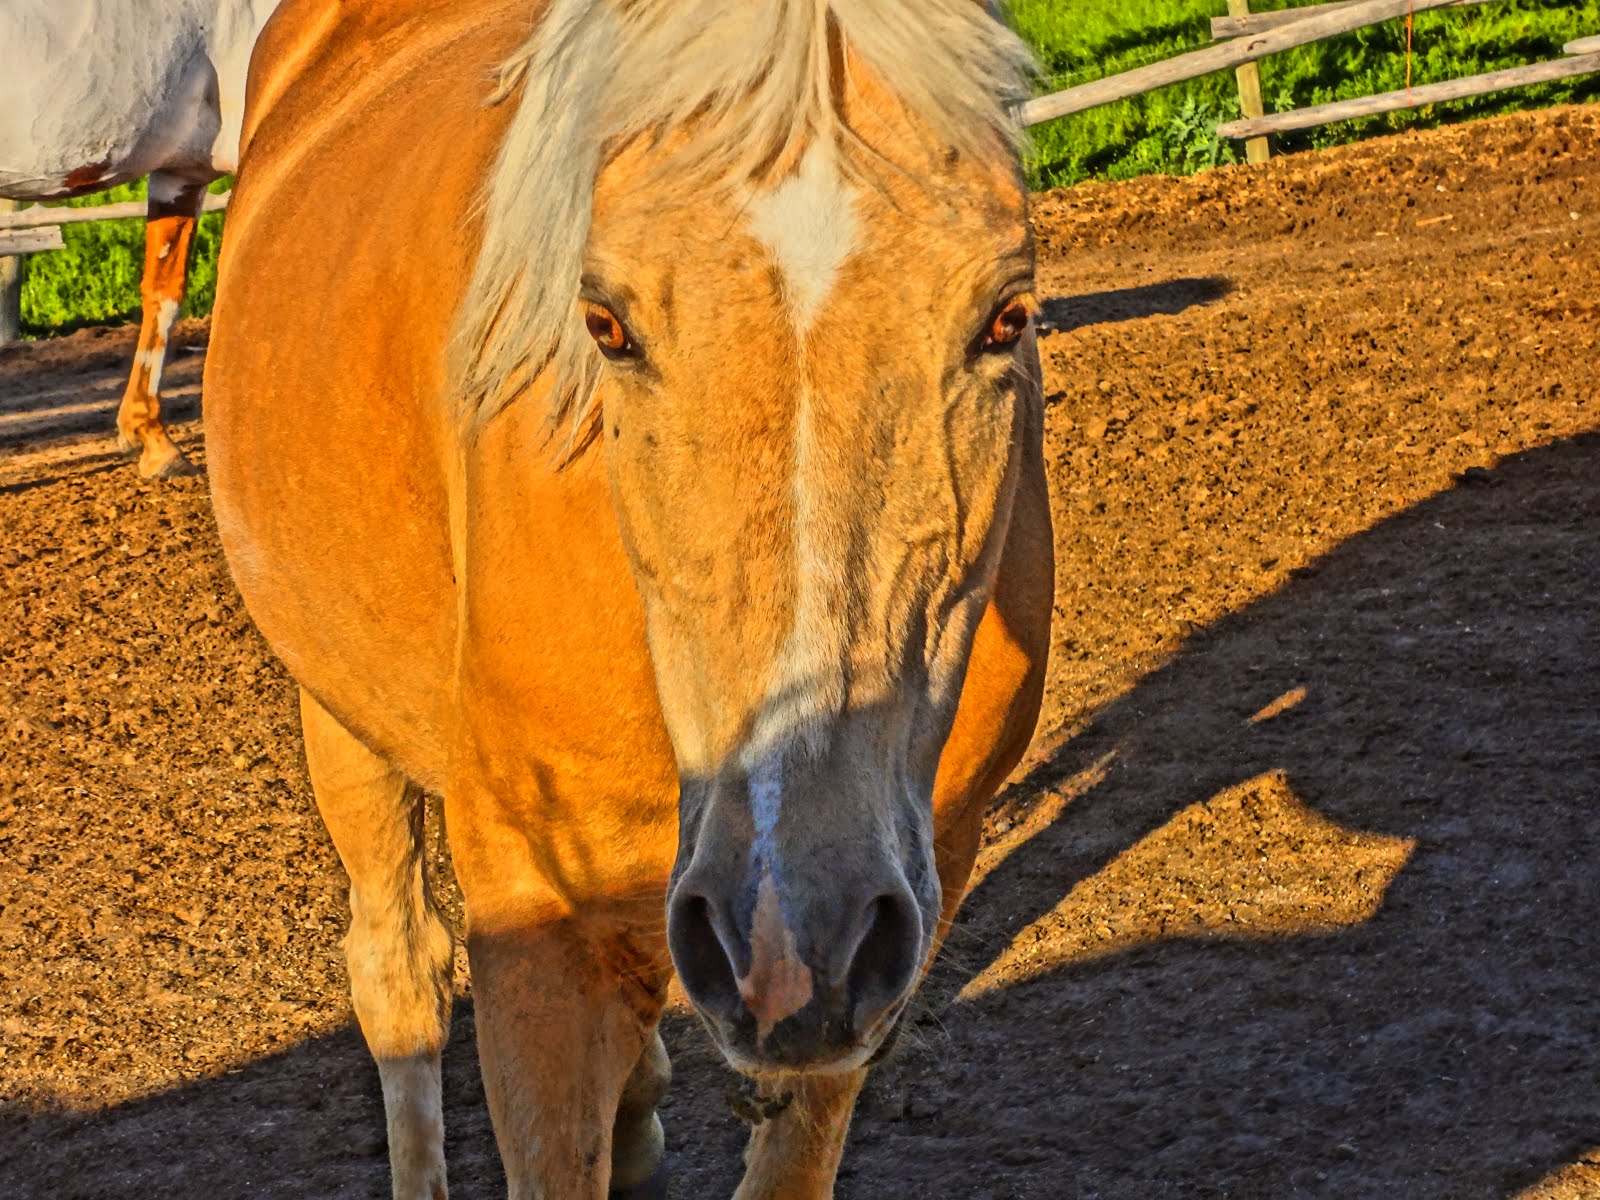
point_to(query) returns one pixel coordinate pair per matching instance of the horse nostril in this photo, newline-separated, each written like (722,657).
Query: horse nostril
(886,958)
(701,958)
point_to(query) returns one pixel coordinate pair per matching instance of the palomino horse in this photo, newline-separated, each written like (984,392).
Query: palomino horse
(648,461)
(97,92)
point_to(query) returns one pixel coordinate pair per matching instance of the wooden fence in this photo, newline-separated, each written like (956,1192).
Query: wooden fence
(19,226)
(37,230)
(1245,38)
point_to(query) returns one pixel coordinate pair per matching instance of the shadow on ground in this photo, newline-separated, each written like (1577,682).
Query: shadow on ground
(1448,664)
(1063,314)
(60,388)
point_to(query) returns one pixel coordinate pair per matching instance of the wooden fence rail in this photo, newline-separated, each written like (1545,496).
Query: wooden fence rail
(30,241)
(1431,93)
(1218,58)
(1242,24)
(1260,35)
(40,216)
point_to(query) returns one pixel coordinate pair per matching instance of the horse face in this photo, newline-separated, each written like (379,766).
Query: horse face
(811,420)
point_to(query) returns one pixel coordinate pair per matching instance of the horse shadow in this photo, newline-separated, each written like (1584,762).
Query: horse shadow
(1424,700)
(1427,694)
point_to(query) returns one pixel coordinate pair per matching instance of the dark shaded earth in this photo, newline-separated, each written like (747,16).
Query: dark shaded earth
(1297,895)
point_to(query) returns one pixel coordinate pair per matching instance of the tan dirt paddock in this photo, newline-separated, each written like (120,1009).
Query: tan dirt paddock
(1297,895)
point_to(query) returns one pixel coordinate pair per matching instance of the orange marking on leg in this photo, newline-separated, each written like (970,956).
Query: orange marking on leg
(167,241)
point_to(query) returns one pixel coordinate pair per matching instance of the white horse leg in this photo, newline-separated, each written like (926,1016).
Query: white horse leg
(398,948)
(174,214)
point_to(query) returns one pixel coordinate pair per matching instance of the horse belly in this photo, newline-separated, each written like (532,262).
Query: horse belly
(335,532)
(330,431)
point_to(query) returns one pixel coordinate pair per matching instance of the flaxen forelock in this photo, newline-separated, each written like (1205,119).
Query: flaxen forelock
(754,79)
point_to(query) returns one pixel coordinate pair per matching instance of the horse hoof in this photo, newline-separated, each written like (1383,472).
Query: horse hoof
(166,466)
(654,1188)
(128,445)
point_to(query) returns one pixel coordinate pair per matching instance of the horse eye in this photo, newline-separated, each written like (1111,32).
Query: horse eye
(1007,326)
(607,331)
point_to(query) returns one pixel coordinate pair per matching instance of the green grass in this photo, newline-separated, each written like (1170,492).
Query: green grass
(1172,131)
(96,278)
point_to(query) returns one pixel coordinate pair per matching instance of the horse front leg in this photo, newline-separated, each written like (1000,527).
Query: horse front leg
(638,1143)
(799,1135)
(398,948)
(562,1027)
(173,215)
(566,995)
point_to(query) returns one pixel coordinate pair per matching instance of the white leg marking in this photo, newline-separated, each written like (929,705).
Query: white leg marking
(414,1113)
(157,354)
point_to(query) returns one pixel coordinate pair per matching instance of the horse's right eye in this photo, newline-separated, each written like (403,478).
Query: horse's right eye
(607,331)
(1006,327)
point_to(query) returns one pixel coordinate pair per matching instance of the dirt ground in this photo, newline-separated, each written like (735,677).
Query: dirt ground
(1297,895)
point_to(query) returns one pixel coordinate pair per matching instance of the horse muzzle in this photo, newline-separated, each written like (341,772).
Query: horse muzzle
(791,979)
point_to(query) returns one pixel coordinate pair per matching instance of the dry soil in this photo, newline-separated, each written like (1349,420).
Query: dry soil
(1296,896)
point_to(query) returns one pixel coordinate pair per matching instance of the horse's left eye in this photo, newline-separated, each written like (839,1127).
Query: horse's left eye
(608,332)
(1006,326)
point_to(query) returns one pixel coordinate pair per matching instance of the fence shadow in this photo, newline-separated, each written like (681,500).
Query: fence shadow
(308,1122)
(304,1122)
(64,388)
(1063,314)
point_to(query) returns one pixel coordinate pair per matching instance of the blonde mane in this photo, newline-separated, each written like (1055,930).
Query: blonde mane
(750,80)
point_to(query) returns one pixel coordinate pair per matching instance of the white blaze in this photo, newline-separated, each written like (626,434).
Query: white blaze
(808,224)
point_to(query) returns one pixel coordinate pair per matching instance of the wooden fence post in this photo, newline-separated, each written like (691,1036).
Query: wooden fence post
(10,291)
(1256,150)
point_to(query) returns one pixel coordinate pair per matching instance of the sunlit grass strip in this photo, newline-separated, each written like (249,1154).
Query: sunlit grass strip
(95,279)
(1173,131)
